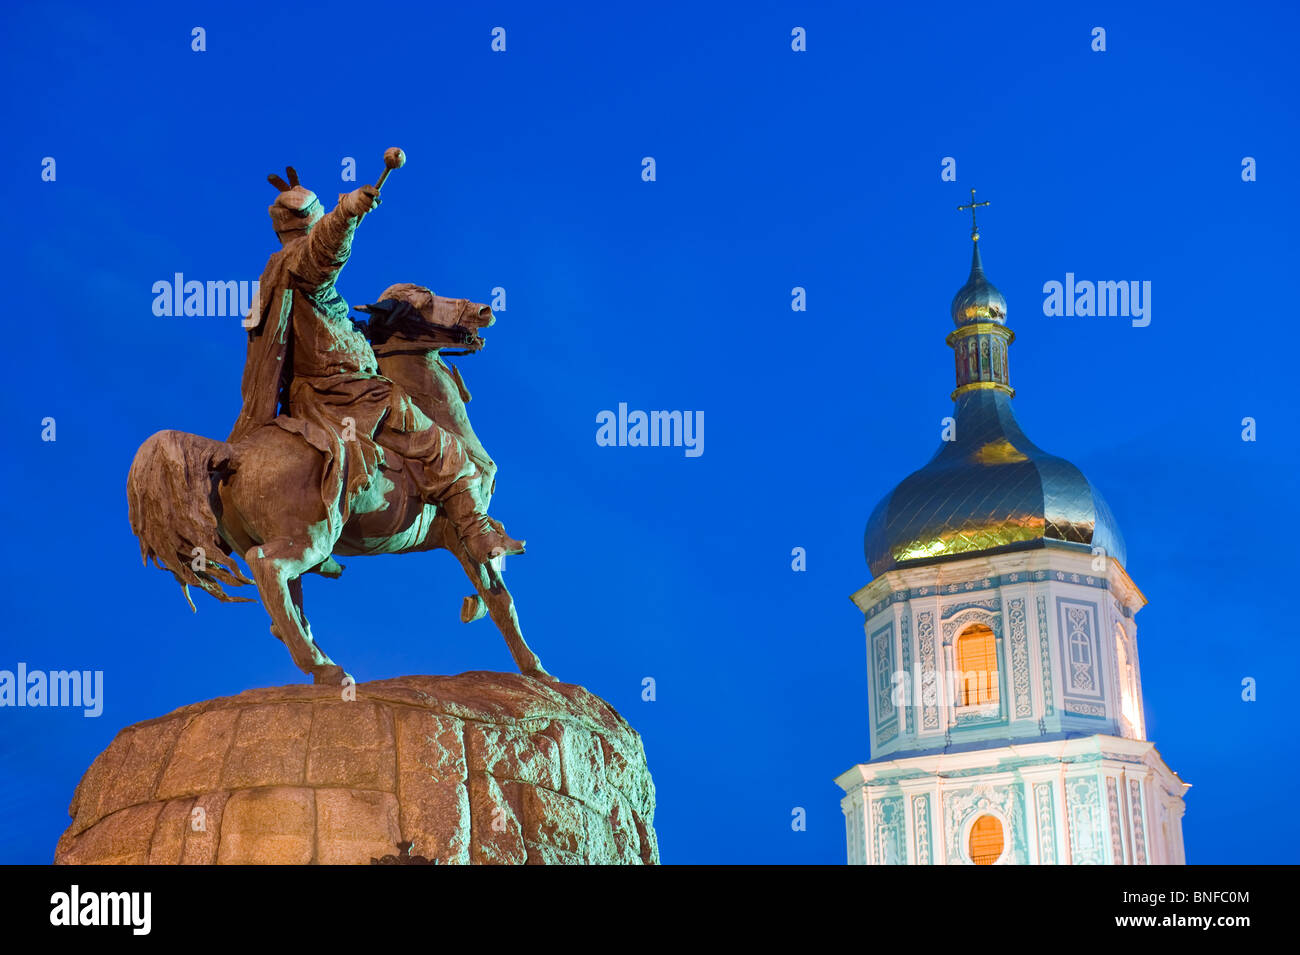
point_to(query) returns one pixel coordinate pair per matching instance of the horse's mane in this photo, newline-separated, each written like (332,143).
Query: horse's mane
(390,319)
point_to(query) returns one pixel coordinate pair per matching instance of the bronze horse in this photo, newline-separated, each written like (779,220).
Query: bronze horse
(194,502)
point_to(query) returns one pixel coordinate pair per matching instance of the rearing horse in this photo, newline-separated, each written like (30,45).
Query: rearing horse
(194,502)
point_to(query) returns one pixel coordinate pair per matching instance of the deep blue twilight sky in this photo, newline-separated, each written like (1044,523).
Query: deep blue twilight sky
(775,169)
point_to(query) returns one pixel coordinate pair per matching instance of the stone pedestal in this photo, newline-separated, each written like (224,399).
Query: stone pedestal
(479,768)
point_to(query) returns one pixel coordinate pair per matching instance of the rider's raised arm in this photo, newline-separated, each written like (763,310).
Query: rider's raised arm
(329,244)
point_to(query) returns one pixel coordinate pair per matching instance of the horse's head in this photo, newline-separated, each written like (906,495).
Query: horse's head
(412,313)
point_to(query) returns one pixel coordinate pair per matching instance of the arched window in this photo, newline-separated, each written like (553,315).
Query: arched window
(986,840)
(977,666)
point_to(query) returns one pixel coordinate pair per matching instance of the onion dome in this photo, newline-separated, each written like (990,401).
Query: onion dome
(979,299)
(989,490)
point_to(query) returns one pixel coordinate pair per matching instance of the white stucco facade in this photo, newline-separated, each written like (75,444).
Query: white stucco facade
(1059,759)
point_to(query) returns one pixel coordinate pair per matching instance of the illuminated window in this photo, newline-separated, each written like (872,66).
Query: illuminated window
(986,840)
(977,664)
(1128,694)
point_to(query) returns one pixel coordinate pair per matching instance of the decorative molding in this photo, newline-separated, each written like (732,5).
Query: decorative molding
(853,812)
(1045,657)
(886,824)
(1139,837)
(967,586)
(1081,658)
(1019,659)
(991,582)
(1075,751)
(972,614)
(1006,802)
(986,714)
(921,823)
(1081,674)
(1123,757)
(905,633)
(929,670)
(1083,809)
(992,604)
(1116,839)
(882,666)
(1046,823)
(1079,708)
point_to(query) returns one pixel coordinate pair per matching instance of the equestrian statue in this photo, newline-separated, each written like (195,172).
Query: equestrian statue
(353,439)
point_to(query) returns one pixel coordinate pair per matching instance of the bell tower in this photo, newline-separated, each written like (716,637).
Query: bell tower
(1005,717)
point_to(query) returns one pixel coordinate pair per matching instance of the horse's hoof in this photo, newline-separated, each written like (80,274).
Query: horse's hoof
(331,675)
(330,568)
(472,608)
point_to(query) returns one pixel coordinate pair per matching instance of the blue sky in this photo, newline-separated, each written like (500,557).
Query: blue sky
(775,169)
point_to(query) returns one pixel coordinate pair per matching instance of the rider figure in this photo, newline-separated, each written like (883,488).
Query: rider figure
(307,360)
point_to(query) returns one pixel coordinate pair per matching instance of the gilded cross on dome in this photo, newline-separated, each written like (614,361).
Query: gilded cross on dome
(972,206)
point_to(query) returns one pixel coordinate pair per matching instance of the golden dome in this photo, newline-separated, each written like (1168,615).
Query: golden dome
(991,489)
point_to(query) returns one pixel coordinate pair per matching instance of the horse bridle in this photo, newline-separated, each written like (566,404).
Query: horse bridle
(408,314)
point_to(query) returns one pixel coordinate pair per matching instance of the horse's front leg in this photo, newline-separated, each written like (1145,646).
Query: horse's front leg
(276,567)
(494,594)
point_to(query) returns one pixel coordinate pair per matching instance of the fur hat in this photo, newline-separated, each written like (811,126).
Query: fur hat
(293,207)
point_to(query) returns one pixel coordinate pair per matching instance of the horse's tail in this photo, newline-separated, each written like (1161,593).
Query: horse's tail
(171,495)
